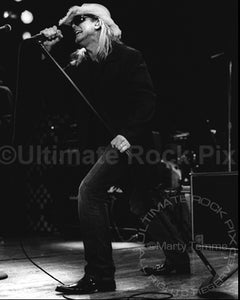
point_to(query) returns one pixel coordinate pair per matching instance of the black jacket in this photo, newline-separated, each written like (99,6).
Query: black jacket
(121,91)
(119,88)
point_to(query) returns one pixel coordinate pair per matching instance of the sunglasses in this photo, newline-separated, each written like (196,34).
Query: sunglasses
(79,19)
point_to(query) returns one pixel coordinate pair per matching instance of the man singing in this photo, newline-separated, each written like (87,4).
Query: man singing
(115,79)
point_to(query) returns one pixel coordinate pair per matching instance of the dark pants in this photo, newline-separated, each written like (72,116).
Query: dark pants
(93,213)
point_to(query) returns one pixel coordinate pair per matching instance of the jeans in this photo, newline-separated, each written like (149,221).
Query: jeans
(93,212)
(93,201)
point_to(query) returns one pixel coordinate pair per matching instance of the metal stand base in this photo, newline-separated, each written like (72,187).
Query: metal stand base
(213,282)
(217,278)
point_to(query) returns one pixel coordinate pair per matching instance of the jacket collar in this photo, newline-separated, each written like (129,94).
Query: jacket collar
(113,56)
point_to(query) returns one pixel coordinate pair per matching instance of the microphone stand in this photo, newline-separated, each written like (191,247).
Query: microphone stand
(46,52)
(230,70)
(229,109)
(8,92)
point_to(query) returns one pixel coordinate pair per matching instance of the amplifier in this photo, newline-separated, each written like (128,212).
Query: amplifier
(214,209)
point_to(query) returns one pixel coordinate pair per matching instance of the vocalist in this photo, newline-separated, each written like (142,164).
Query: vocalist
(116,80)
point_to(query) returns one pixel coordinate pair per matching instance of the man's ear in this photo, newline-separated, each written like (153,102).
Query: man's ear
(98,24)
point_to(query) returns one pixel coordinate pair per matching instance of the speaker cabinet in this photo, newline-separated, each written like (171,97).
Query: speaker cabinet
(214,209)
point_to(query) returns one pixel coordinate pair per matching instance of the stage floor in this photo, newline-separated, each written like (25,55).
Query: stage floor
(64,259)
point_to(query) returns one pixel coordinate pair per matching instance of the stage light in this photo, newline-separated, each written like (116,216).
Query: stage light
(213,131)
(18,0)
(6,14)
(26,35)
(26,17)
(9,14)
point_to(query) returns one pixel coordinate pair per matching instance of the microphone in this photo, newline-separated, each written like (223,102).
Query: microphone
(6,27)
(40,37)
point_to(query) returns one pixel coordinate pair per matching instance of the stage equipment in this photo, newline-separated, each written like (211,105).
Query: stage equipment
(5,134)
(230,66)
(214,206)
(214,217)
(6,107)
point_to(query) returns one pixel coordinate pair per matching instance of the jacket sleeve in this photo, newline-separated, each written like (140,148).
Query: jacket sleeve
(142,100)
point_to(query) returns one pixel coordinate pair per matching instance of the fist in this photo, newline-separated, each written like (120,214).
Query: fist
(120,143)
(53,34)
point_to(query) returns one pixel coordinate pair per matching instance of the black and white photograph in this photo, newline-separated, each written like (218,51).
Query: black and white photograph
(118,149)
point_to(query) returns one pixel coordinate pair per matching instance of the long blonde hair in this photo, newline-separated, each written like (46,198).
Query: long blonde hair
(106,39)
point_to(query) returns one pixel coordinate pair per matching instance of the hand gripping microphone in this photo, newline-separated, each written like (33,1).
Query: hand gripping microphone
(40,37)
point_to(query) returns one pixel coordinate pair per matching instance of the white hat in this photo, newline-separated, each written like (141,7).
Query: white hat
(95,9)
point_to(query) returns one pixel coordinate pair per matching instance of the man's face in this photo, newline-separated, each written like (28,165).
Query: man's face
(84,29)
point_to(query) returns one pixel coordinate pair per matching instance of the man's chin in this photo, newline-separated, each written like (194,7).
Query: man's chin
(78,40)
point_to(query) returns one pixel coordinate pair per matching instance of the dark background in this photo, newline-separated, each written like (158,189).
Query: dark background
(178,40)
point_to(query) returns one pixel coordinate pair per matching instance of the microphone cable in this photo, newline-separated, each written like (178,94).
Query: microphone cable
(19,59)
(163,295)
(36,265)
